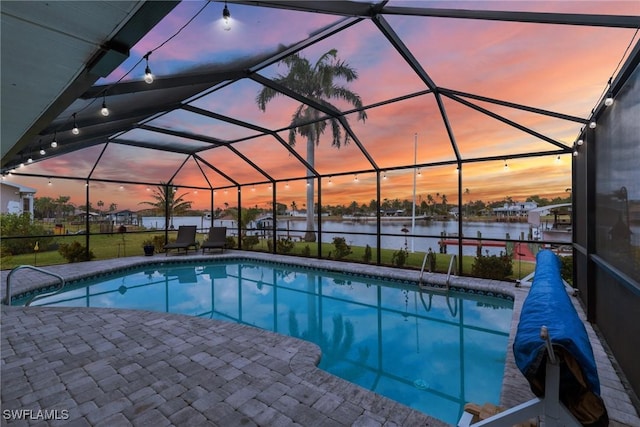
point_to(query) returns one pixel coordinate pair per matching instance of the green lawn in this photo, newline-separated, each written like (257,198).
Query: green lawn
(108,246)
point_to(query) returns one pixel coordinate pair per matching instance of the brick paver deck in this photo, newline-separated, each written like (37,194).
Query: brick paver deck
(110,367)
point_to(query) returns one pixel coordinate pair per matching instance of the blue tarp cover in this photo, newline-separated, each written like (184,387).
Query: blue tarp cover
(549,305)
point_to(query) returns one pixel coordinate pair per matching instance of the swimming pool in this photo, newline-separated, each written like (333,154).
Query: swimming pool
(431,352)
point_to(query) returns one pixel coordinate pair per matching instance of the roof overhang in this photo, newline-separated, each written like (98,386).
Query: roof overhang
(52,52)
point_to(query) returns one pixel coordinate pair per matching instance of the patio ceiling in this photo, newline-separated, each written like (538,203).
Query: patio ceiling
(194,110)
(54,51)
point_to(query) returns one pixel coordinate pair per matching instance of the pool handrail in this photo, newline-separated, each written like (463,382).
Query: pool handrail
(30,267)
(452,267)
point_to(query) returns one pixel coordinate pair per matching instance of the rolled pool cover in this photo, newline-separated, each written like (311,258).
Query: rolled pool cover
(549,305)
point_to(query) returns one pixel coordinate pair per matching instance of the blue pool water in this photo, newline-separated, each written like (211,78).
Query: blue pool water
(431,352)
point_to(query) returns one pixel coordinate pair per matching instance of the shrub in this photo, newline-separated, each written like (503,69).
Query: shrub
(158,241)
(566,268)
(306,251)
(248,242)
(399,258)
(75,252)
(284,245)
(342,249)
(21,225)
(367,254)
(431,258)
(493,266)
(231,242)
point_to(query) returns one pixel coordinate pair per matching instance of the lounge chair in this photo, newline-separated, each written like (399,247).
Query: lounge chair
(185,239)
(217,239)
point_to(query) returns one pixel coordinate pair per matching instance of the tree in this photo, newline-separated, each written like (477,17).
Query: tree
(61,206)
(430,201)
(43,207)
(100,205)
(317,83)
(166,196)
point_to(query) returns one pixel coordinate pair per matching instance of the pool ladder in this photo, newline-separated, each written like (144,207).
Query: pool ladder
(31,267)
(453,267)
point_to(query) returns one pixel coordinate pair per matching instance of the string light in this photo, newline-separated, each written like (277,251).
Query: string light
(75,129)
(148,76)
(226,17)
(608,101)
(104,111)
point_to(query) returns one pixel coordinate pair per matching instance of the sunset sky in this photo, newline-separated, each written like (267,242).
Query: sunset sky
(559,68)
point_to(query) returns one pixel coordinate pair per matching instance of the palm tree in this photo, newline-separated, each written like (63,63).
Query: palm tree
(317,83)
(430,201)
(100,206)
(165,196)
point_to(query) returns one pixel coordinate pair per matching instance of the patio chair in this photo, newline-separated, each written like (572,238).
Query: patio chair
(217,239)
(185,239)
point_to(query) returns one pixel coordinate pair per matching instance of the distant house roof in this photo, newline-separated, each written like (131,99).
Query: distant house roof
(21,188)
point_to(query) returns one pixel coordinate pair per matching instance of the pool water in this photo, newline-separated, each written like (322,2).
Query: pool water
(431,352)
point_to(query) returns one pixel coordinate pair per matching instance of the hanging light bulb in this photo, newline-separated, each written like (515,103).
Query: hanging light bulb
(54,142)
(148,77)
(575,152)
(580,141)
(355,179)
(226,17)
(104,111)
(608,101)
(30,160)
(592,124)
(49,183)
(75,129)
(42,152)
(506,166)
